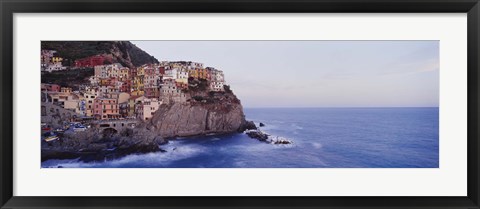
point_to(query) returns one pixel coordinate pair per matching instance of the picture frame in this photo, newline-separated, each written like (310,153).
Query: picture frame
(8,8)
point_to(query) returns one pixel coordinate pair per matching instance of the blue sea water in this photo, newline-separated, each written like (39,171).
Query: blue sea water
(322,138)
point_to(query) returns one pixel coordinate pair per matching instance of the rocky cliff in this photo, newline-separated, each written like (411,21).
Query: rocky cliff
(208,113)
(217,114)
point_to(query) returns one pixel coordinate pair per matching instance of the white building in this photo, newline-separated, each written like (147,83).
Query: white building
(89,98)
(94,80)
(54,67)
(49,62)
(147,108)
(101,71)
(182,75)
(114,70)
(217,80)
(106,90)
(170,92)
(171,73)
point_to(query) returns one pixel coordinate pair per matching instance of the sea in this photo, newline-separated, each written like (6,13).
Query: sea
(322,138)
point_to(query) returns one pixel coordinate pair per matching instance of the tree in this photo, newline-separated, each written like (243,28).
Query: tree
(227,88)
(107,62)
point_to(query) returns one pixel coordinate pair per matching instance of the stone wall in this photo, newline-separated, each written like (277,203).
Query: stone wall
(55,115)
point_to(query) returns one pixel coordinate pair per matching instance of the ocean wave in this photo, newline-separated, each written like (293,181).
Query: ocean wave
(175,151)
(317,145)
(296,126)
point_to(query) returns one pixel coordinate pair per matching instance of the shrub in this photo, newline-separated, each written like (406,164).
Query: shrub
(197,98)
(227,88)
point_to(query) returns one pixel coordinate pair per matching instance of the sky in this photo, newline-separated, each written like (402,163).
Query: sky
(317,73)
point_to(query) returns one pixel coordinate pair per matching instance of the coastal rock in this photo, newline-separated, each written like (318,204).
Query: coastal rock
(282,141)
(264,137)
(258,135)
(92,145)
(139,141)
(186,119)
(261,125)
(250,125)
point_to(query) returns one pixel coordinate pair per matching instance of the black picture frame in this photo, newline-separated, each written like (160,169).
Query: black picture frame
(9,7)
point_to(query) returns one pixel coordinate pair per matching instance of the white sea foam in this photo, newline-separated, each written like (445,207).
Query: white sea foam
(317,145)
(175,151)
(296,126)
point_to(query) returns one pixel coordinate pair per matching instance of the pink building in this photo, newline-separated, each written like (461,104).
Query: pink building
(106,108)
(50,87)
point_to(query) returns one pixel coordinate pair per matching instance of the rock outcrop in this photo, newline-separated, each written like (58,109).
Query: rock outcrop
(92,145)
(267,138)
(223,115)
(205,113)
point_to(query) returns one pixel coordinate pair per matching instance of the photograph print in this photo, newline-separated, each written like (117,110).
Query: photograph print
(239,104)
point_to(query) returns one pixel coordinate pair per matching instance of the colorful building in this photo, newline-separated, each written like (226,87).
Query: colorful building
(217,80)
(146,108)
(132,102)
(66,90)
(100,71)
(170,92)
(124,74)
(89,103)
(106,108)
(93,61)
(50,87)
(113,70)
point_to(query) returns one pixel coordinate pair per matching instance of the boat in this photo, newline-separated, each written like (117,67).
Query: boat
(45,127)
(59,130)
(50,136)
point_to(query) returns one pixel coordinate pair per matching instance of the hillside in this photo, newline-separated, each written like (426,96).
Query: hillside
(68,78)
(123,52)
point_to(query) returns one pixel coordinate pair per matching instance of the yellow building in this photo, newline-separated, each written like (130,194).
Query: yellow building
(66,90)
(137,93)
(124,71)
(104,82)
(56,59)
(193,73)
(138,83)
(198,73)
(202,73)
(140,71)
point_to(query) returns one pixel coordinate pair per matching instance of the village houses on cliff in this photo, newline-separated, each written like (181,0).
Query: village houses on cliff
(119,92)
(50,62)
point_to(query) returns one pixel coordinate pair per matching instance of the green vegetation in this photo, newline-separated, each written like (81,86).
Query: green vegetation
(198,98)
(227,89)
(198,84)
(137,56)
(72,50)
(68,78)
